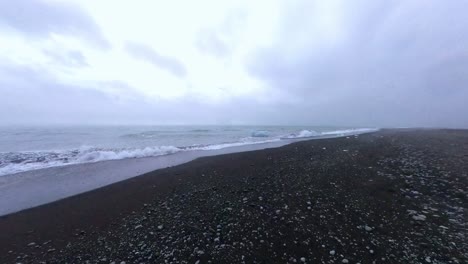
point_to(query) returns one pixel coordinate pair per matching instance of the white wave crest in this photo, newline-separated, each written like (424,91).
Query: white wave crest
(14,162)
(350,131)
(100,155)
(304,134)
(235,144)
(25,161)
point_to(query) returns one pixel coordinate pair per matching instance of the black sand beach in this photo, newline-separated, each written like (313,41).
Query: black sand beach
(394,196)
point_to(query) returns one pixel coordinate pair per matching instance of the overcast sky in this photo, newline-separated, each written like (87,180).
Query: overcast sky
(355,63)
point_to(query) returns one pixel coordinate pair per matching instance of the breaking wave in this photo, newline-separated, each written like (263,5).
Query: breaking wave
(14,162)
(304,134)
(352,131)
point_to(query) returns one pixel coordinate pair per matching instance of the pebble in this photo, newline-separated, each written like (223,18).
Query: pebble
(345,261)
(332,252)
(420,217)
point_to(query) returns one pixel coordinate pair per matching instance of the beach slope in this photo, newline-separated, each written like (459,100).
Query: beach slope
(393,196)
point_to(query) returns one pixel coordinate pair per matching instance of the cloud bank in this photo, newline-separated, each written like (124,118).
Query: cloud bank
(365,63)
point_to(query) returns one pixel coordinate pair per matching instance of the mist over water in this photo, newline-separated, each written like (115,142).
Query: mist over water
(29,148)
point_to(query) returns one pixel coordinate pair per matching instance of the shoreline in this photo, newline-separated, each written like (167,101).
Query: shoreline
(24,190)
(303,200)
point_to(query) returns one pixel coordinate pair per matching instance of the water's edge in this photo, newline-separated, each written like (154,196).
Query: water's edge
(29,189)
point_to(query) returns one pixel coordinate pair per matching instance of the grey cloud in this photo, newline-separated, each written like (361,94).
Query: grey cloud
(146,53)
(400,64)
(29,95)
(32,96)
(220,41)
(209,42)
(39,18)
(69,58)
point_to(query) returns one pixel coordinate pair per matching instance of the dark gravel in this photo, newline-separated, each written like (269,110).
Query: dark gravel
(395,196)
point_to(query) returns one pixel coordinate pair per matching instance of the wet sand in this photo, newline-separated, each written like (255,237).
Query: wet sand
(394,196)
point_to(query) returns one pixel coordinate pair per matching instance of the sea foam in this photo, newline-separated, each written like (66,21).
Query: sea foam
(32,160)
(19,161)
(304,134)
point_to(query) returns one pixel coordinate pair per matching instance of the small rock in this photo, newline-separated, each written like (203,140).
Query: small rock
(31,244)
(420,217)
(138,227)
(428,259)
(160,227)
(345,261)
(303,259)
(332,252)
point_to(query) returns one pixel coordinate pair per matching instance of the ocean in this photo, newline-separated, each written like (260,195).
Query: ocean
(30,148)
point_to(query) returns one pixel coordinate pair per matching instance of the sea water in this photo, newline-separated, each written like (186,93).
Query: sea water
(25,148)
